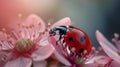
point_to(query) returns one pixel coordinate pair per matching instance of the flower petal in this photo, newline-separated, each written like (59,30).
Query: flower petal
(116,41)
(4,37)
(109,49)
(35,20)
(3,59)
(115,64)
(89,65)
(39,63)
(42,53)
(102,60)
(20,62)
(58,52)
(66,21)
(62,58)
(44,39)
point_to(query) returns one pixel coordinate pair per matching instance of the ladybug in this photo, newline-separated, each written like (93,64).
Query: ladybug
(76,39)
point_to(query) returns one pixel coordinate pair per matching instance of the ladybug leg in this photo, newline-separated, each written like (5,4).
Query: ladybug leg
(60,37)
(64,44)
(71,52)
(63,41)
(59,40)
(56,42)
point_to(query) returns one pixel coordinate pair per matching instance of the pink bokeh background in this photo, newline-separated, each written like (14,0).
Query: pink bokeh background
(9,11)
(13,12)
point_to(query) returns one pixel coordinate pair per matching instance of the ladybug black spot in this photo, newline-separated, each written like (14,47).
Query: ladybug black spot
(81,50)
(70,38)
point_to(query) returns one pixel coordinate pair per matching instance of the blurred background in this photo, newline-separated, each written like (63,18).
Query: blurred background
(89,15)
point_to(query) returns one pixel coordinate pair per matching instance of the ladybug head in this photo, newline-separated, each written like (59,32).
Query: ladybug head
(58,30)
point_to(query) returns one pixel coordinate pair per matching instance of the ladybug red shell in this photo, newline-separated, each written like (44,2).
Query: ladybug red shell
(76,39)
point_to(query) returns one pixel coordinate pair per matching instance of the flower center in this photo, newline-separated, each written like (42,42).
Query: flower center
(23,45)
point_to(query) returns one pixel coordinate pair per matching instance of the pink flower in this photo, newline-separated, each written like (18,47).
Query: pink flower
(99,61)
(29,44)
(111,50)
